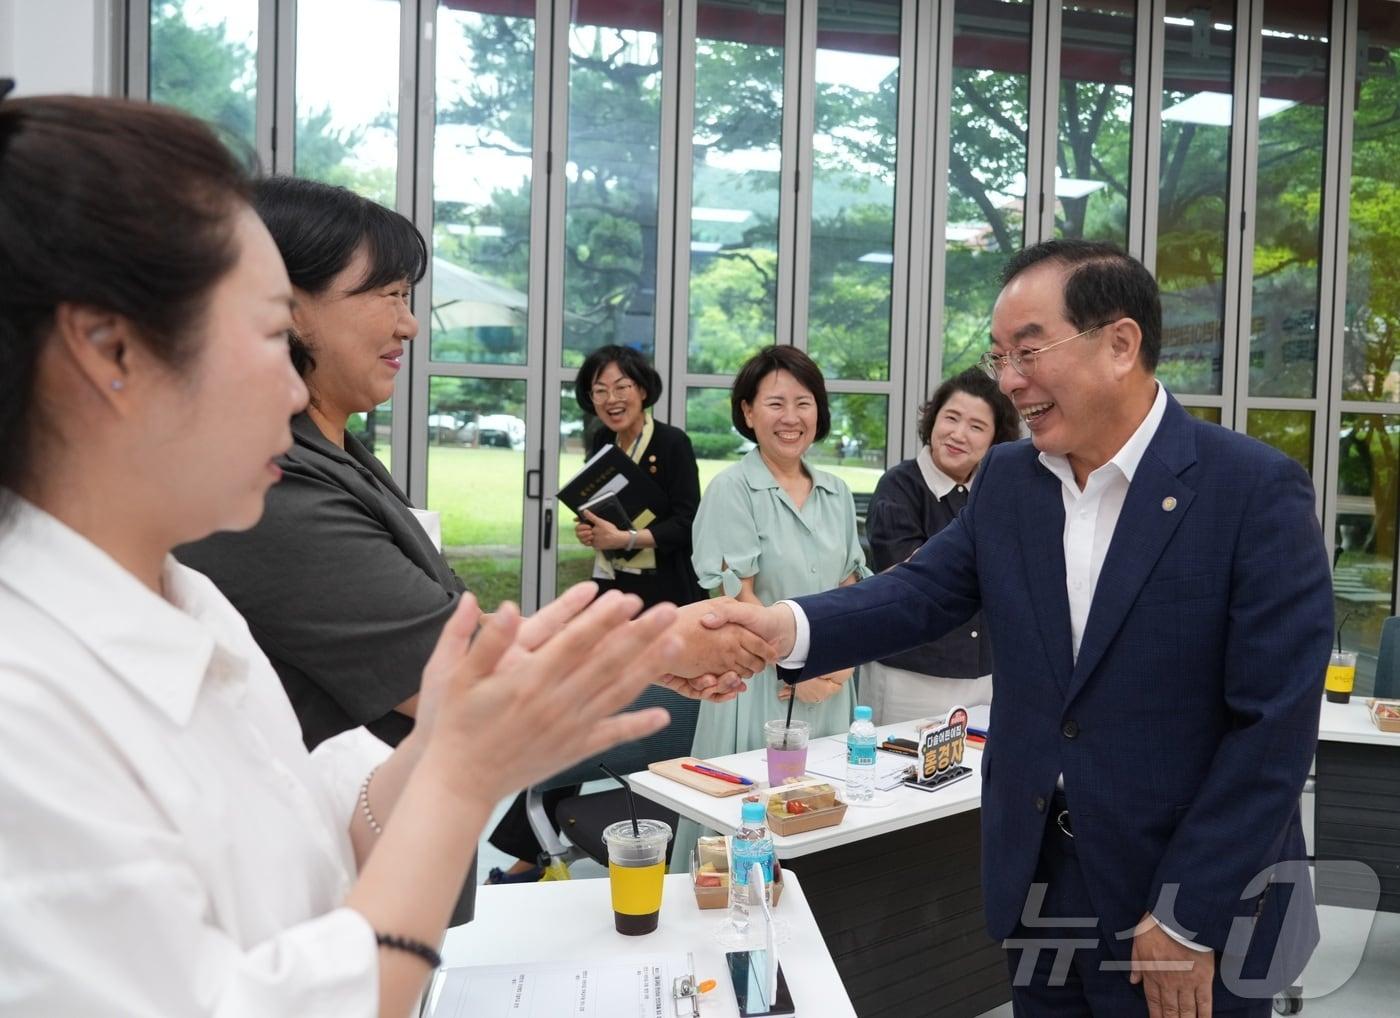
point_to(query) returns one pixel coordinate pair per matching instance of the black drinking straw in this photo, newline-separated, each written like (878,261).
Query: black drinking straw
(1339,631)
(631,802)
(787,725)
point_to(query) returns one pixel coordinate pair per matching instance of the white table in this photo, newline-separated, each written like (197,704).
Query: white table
(898,809)
(896,888)
(1351,722)
(573,920)
(1356,803)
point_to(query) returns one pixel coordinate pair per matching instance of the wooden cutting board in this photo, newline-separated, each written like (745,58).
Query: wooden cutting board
(701,783)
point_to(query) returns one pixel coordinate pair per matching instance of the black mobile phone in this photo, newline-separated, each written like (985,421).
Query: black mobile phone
(749,992)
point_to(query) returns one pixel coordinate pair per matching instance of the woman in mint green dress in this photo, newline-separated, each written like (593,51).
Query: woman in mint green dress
(772,527)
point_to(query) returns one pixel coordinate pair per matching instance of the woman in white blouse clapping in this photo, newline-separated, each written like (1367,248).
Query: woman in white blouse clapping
(168,846)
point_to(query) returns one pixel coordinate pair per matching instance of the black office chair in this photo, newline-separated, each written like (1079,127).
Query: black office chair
(583,817)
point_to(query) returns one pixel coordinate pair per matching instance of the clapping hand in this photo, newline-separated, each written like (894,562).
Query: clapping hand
(494,695)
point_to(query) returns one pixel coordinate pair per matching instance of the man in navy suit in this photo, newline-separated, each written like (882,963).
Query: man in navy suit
(1159,597)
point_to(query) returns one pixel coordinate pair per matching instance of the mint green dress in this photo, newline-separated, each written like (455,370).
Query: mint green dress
(749,526)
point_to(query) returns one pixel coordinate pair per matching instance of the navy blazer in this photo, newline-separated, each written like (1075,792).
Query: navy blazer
(1185,728)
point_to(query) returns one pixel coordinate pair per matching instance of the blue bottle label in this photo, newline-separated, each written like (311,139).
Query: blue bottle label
(744,860)
(861,752)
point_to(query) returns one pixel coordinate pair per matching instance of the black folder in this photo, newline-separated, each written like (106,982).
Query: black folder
(611,472)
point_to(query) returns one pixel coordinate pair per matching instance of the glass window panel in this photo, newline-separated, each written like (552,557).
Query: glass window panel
(855,449)
(612,176)
(1096,120)
(711,431)
(1194,193)
(853,162)
(1371,359)
(476,479)
(347,94)
(735,191)
(1288,431)
(1205,413)
(203,59)
(482,150)
(375,430)
(1363,577)
(1288,222)
(986,167)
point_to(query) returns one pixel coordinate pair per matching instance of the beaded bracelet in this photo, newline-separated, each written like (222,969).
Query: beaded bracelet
(414,947)
(364,804)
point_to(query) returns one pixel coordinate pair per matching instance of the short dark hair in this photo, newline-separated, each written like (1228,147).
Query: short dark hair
(117,205)
(1104,283)
(629,361)
(764,363)
(318,228)
(1006,423)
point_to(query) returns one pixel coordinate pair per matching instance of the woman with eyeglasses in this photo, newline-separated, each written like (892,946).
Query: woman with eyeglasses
(914,500)
(618,387)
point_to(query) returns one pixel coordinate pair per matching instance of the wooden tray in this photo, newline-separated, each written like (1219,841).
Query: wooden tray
(710,786)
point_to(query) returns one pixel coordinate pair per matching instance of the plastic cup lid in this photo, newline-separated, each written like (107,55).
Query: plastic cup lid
(621,834)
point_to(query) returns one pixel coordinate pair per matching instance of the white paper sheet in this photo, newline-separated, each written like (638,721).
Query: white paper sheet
(637,986)
(829,760)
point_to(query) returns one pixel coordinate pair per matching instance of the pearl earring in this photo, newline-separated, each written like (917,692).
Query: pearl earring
(118,385)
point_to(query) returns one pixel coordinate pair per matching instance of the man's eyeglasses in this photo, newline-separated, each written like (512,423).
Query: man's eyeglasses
(621,390)
(1024,360)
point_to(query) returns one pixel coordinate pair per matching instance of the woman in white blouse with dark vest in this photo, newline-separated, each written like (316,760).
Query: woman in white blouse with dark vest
(914,500)
(168,846)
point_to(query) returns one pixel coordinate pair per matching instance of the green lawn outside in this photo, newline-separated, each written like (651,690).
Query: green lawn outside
(479,492)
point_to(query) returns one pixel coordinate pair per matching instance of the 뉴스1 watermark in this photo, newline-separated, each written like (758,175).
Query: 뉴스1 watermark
(1361,891)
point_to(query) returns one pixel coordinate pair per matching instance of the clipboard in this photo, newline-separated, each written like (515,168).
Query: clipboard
(685,993)
(710,786)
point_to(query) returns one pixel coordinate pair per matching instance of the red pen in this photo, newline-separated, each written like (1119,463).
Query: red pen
(711,772)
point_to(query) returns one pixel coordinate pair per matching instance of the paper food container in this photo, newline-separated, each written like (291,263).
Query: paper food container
(1385,715)
(798,808)
(709,874)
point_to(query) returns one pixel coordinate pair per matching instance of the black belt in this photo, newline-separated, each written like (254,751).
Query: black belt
(1059,814)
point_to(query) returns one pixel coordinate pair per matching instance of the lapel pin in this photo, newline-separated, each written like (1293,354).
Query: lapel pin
(1169,503)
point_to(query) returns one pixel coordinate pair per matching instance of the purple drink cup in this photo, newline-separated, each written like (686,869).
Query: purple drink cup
(787,750)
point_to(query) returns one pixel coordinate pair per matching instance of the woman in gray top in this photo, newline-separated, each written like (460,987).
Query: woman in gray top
(342,587)
(340,584)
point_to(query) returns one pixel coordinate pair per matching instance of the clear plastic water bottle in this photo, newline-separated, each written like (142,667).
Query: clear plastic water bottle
(860,758)
(750,844)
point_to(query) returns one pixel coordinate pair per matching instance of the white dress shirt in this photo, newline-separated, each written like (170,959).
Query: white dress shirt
(168,846)
(1092,514)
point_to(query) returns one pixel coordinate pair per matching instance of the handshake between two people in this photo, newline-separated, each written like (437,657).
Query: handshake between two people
(508,701)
